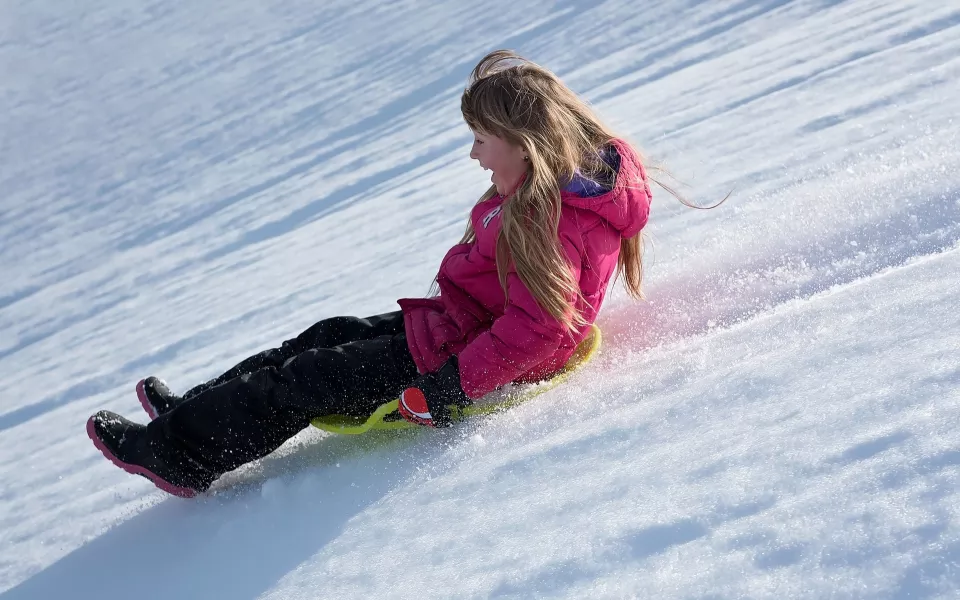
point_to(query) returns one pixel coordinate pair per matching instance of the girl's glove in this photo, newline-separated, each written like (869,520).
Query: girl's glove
(429,399)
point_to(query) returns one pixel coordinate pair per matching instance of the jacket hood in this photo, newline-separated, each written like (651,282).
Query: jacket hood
(625,205)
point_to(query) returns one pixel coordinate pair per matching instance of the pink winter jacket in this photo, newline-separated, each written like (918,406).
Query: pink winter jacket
(500,339)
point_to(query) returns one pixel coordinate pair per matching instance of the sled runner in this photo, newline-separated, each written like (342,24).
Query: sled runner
(388,417)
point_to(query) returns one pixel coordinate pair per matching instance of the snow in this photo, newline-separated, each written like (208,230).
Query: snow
(184,185)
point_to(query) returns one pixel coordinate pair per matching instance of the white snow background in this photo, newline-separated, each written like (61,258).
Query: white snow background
(184,184)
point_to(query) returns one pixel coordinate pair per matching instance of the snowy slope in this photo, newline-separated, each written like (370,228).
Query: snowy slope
(185,185)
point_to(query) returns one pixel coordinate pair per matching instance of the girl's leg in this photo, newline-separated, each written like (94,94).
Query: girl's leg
(325,334)
(250,416)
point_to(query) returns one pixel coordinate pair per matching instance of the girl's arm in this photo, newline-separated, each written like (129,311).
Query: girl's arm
(525,336)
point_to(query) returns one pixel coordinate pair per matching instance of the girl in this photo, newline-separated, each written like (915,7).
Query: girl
(516,296)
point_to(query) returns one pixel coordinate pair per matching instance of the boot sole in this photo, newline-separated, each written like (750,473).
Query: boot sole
(164,485)
(144,402)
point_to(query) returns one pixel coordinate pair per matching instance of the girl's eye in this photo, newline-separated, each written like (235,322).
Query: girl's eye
(477,142)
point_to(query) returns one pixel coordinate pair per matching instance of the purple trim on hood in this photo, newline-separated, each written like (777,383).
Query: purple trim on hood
(588,188)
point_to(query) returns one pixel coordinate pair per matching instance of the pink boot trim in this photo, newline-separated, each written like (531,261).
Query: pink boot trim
(142,396)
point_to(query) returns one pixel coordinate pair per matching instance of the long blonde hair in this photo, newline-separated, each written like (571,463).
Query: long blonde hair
(527,105)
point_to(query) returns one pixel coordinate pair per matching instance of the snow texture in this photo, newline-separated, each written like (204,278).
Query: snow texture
(185,184)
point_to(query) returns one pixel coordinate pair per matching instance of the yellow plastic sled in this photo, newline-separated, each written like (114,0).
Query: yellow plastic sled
(388,417)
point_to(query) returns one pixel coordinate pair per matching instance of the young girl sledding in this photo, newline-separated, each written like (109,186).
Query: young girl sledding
(516,296)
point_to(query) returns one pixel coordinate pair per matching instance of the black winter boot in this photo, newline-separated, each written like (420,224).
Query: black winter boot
(126,445)
(155,397)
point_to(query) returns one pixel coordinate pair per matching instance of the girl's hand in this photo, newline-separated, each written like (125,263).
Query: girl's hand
(428,399)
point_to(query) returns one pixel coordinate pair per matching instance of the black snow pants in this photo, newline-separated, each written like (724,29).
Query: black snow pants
(343,365)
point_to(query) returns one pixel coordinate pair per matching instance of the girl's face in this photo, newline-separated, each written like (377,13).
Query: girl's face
(506,160)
